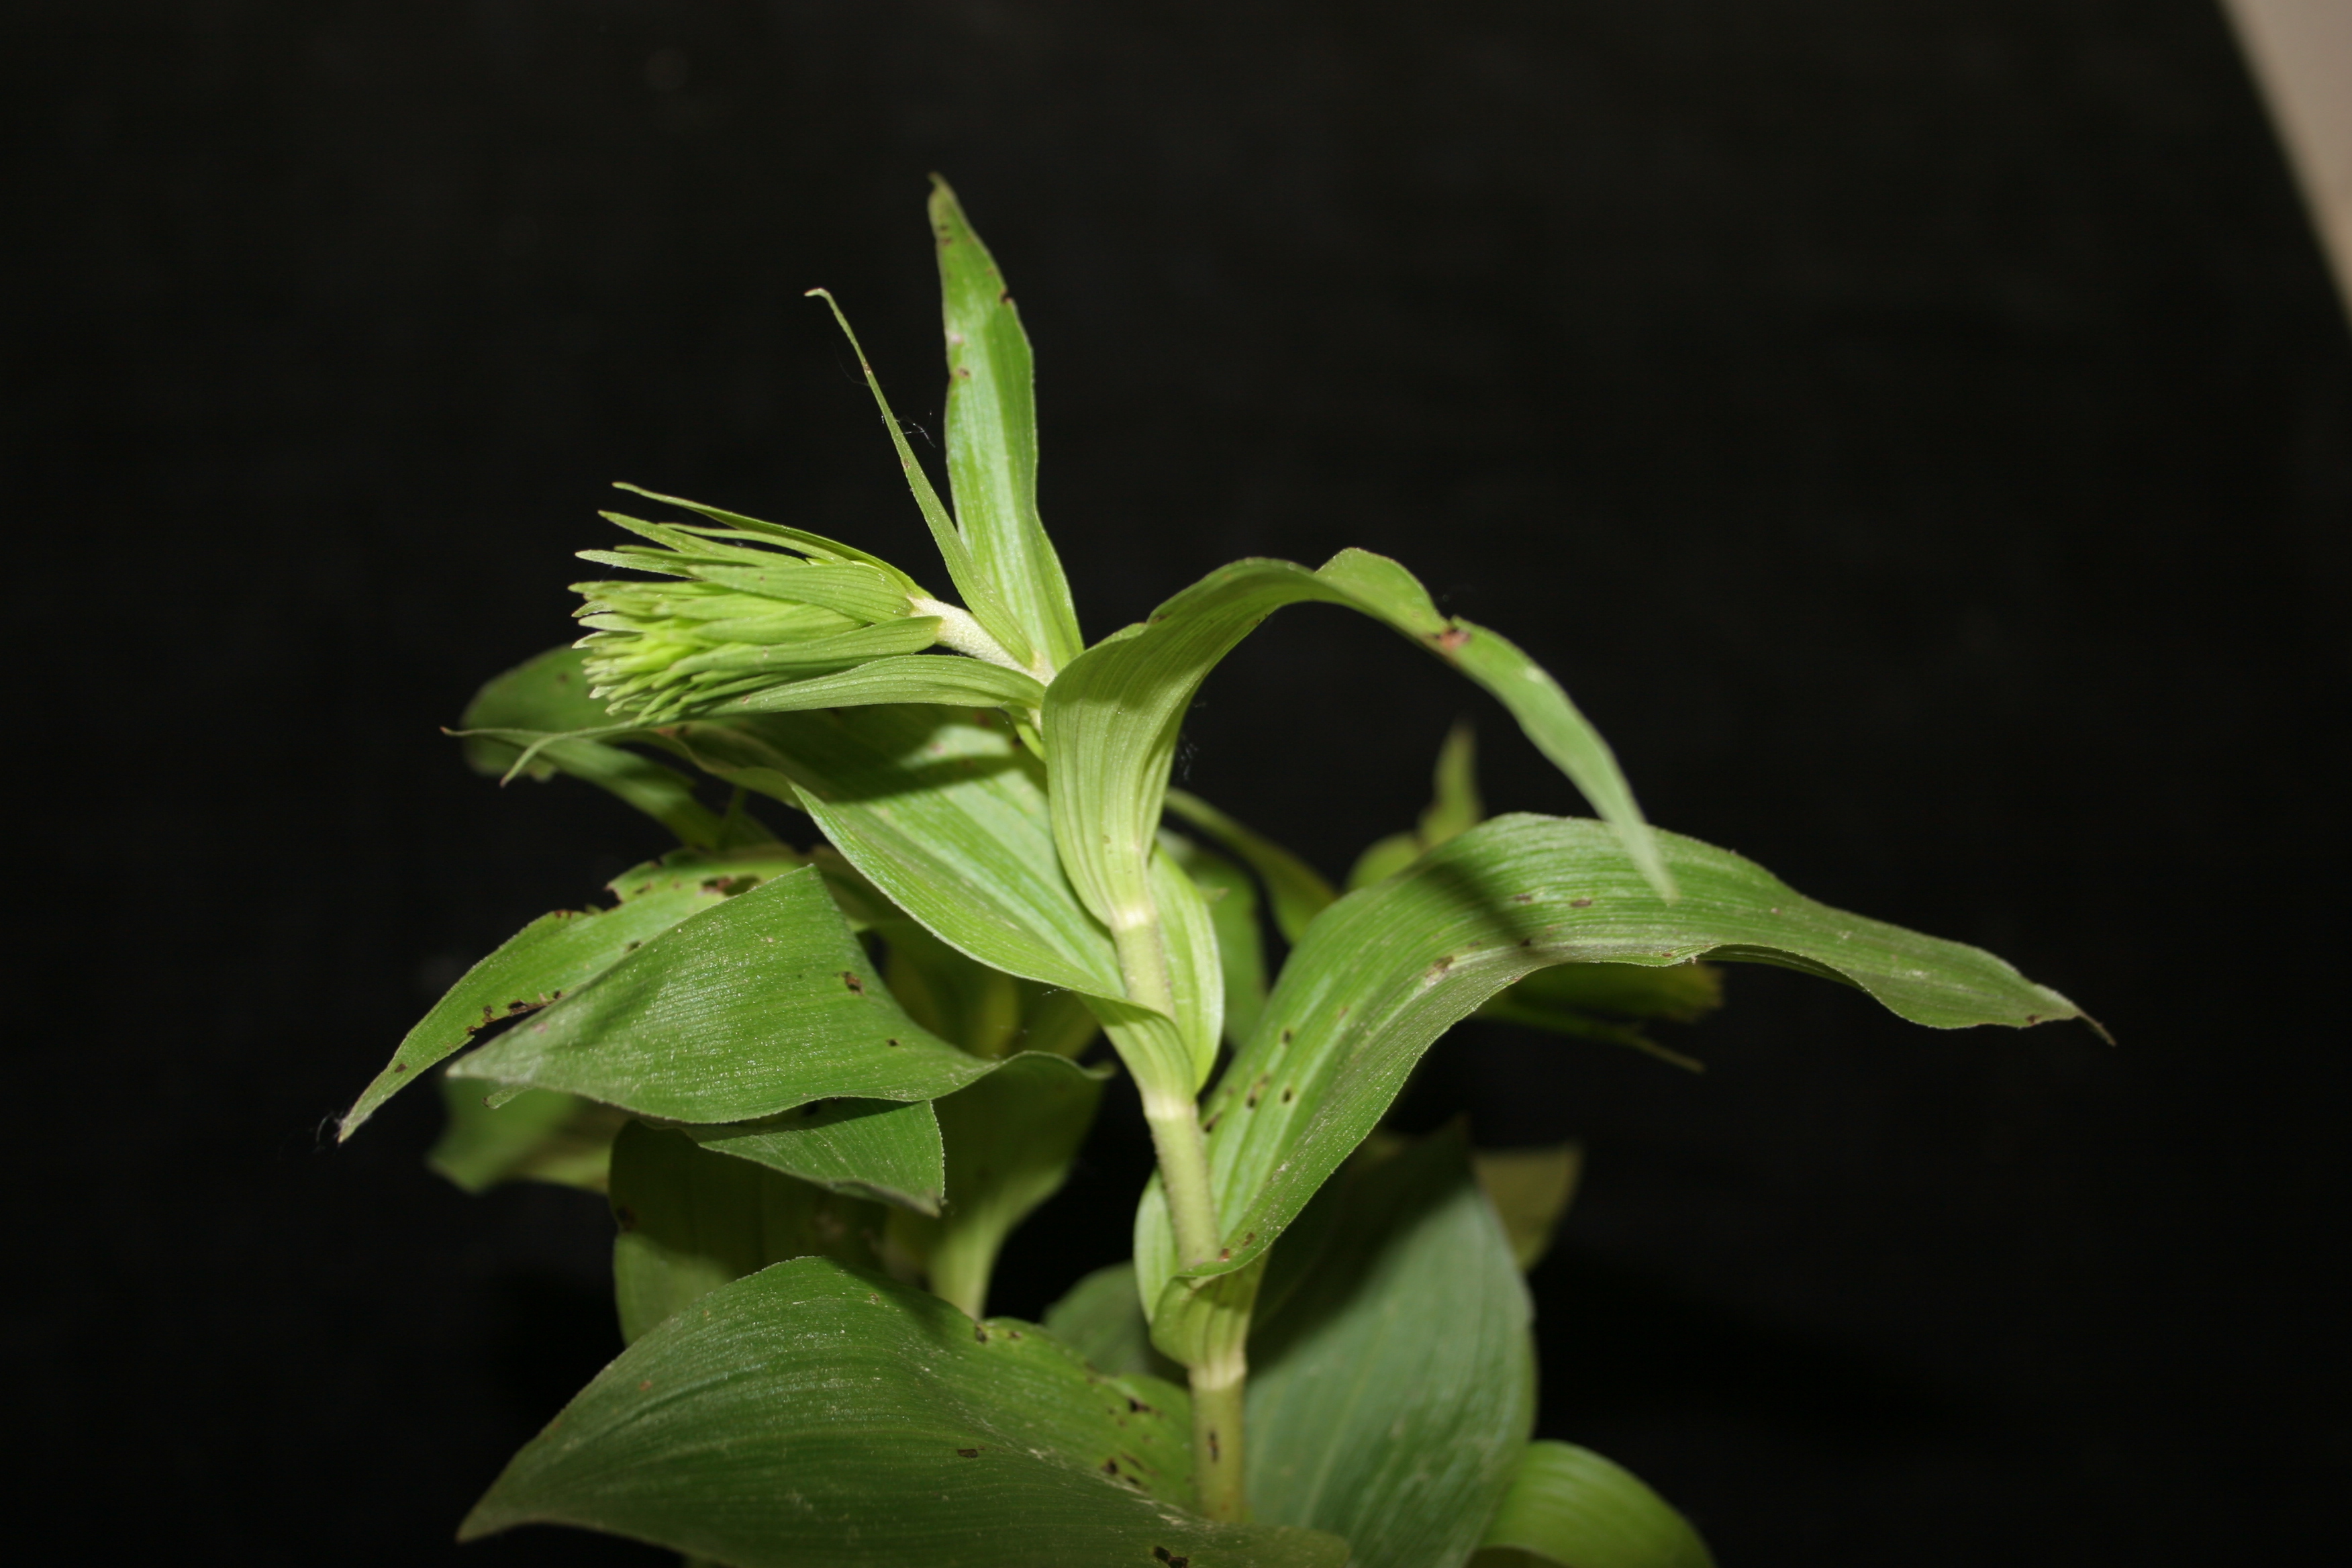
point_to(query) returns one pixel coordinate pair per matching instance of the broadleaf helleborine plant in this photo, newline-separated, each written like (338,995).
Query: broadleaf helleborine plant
(822,1085)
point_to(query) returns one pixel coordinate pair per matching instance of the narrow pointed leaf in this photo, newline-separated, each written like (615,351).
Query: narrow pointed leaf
(992,437)
(1571,1507)
(537,1136)
(1113,715)
(548,696)
(1296,890)
(758,1005)
(724,1433)
(691,1221)
(1392,1379)
(880,1148)
(1386,970)
(979,593)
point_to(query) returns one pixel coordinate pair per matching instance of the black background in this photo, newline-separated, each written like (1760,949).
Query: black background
(1919,433)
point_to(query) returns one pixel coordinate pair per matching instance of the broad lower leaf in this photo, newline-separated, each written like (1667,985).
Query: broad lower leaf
(557,954)
(1388,969)
(548,697)
(760,1003)
(1102,1319)
(537,1136)
(867,1148)
(1571,1507)
(992,421)
(1231,898)
(732,1431)
(1392,1377)
(1296,890)
(1010,1140)
(691,1221)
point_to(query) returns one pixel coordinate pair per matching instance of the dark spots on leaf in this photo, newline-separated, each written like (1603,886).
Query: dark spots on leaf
(1135,1405)
(1523,898)
(1250,1237)
(1580,903)
(1289,1092)
(1256,1090)
(646,1386)
(1215,1453)
(1214,1117)
(889,1042)
(967,1453)
(1013,1333)
(728,886)
(1004,295)
(633,947)
(403,1067)
(1225,1255)
(857,986)
(624,1216)
(489,1014)
(1110,1467)
(519,1006)
(963,372)
(2033,1017)
(980,1332)
(1449,641)
(1286,1037)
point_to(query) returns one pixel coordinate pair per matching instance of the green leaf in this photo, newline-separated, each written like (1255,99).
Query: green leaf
(1575,999)
(725,1433)
(950,818)
(1297,892)
(537,1136)
(760,1003)
(548,697)
(557,954)
(815,546)
(1010,1140)
(1196,973)
(1102,1320)
(992,420)
(691,1221)
(865,1148)
(1388,969)
(946,814)
(979,592)
(1392,1377)
(941,677)
(1231,899)
(1530,1189)
(1113,714)
(1569,1506)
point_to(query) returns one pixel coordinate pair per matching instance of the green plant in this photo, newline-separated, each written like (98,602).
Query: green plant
(822,1086)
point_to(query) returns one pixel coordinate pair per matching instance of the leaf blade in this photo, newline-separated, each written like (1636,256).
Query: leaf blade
(1569,1506)
(992,421)
(722,1434)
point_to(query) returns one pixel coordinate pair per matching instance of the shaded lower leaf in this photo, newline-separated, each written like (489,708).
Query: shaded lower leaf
(1010,1140)
(1571,1507)
(878,1149)
(1530,1190)
(1393,1378)
(548,695)
(760,1003)
(725,1433)
(1101,1318)
(691,1221)
(540,1135)
(1295,890)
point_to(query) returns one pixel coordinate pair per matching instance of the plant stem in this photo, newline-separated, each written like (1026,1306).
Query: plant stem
(1220,1372)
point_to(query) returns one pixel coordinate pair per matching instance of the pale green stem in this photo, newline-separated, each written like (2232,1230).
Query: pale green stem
(960,1263)
(1218,1382)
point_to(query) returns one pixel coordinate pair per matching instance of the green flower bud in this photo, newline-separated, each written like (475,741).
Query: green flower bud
(748,606)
